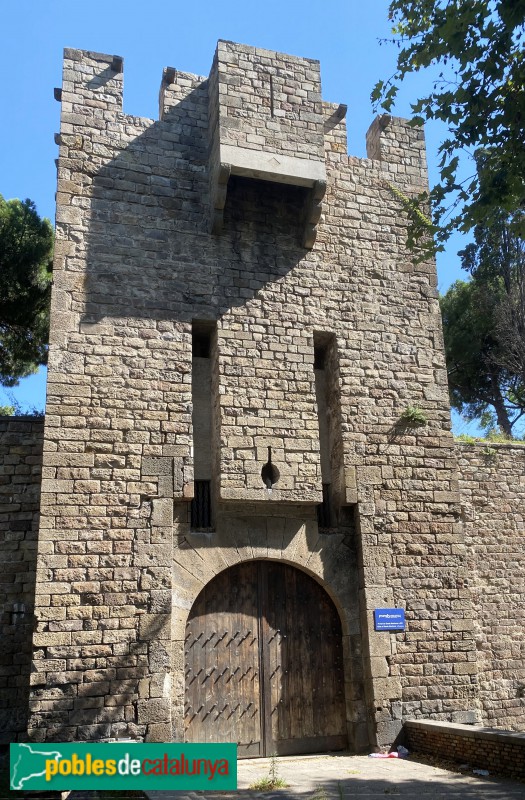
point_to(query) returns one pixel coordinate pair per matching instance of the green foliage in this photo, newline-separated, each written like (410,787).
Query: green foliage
(464,437)
(413,417)
(26,244)
(492,436)
(484,323)
(272,780)
(500,438)
(496,261)
(421,231)
(16,409)
(490,452)
(479,94)
(480,387)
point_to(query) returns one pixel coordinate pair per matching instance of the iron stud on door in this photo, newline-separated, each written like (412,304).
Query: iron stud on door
(265,634)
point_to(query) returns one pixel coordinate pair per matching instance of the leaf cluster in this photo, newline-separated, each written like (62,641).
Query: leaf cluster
(414,417)
(479,94)
(26,247)
(420,229)
(484,327)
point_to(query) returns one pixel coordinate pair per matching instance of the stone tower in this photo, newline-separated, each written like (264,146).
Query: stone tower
(230,480)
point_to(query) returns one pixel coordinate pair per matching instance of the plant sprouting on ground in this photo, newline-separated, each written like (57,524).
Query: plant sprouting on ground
(272,780)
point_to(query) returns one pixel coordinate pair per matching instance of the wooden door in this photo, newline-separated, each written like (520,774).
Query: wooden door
(222,662)
(302,650)
(264,663)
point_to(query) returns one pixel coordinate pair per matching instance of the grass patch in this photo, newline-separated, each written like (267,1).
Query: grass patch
(267,784)
(497,438)
(272,781)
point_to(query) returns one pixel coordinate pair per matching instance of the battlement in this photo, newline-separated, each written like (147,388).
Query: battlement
(268,112)
(229,373)
(91,80)
(259,115)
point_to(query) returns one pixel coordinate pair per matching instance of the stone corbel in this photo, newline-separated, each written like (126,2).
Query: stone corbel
(219,190)
(314,208)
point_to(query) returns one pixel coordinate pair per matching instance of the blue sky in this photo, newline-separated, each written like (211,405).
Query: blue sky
(343,34)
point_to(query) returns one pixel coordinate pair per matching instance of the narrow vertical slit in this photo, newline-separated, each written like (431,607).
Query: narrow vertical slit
(271,96)
(324,344)
(324,512)
(201,506)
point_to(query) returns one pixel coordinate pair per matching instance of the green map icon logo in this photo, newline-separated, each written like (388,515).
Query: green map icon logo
(30,765)
(128,765)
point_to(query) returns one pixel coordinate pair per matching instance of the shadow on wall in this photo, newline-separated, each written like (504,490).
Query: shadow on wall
(151,258)
(149,252)
(122,697)
(21,455)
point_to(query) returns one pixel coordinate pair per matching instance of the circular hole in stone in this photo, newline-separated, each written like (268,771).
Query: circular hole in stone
(269,475)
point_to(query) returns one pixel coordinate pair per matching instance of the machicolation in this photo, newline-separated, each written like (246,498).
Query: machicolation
(193,545)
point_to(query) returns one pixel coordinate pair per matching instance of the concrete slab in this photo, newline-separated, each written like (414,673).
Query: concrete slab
(346,777)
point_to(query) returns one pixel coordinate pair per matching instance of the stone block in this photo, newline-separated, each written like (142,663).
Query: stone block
(378,667)
(376,597)
(370,476)
(154,627)
(156,466)
(466,717)
(154,710)
(162,511)
(385,689)
(159,732)
(388,732)
(379,644)
(462,625)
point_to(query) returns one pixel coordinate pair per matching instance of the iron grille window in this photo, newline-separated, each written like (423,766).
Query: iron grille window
(324,516)
(201,506)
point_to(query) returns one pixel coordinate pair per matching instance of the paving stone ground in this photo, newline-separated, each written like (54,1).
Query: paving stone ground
(346,777)
(339,777)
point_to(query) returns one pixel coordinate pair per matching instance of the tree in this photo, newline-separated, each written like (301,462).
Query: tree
(26,244)
(496,261)
(484,325)
(479,94)
(480,386)
(484,320)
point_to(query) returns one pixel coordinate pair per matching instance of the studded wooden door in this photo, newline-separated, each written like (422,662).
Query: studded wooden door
(264,663)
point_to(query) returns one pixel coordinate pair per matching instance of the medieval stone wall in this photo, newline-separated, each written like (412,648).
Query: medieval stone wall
(135,267)
(492,484)
(136,270)
(499,752)
(492,497)
(269,102)
(21,440)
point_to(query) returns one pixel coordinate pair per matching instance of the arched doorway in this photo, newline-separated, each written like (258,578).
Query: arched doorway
(264,665)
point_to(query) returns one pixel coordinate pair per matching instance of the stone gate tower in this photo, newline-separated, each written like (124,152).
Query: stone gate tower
(231,484)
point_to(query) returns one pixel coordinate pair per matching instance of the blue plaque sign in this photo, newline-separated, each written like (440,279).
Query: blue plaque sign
(389,619)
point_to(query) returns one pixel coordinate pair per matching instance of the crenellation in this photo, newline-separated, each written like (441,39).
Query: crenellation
(239,215)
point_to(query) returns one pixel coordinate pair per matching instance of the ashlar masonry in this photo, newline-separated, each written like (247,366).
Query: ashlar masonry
(229,487)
